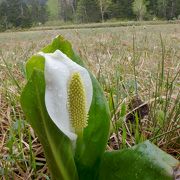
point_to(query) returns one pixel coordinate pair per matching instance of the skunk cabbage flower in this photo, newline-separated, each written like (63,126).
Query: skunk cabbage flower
(68,93)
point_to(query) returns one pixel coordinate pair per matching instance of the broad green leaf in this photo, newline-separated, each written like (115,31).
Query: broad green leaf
(57,147)
(96,134)
(97,131)
(144,161)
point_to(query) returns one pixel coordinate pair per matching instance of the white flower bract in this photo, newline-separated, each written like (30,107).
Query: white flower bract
(58,71)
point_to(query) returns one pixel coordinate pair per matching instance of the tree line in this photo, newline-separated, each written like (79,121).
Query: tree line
(25,13)
(22,13)
(101,10)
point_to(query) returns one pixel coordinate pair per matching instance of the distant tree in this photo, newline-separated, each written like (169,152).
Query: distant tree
(139,8)
(121,9)
(177,11)
(43,13)
(127,9)
(22,13)
(81,12)
(114,9)
(161,8)
(53,9)
(3,16)
(67,10)
(61,9)
(38,11)
(18,13)
(152,7)
(34,10)
(104,5)
(24,20)
(168,9)
(88,11)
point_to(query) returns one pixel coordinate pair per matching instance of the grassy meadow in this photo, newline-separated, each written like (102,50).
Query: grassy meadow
(138,68)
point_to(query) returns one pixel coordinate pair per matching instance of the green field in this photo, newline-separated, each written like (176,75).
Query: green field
(129,62)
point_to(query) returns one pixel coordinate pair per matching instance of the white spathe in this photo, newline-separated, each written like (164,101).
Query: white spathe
(58,71)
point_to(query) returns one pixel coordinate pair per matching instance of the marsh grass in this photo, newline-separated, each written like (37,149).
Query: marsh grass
(129,62)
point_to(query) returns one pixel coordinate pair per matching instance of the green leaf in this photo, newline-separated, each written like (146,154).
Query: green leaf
(144,161)
(35,61)
(96,134)
(57,147)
